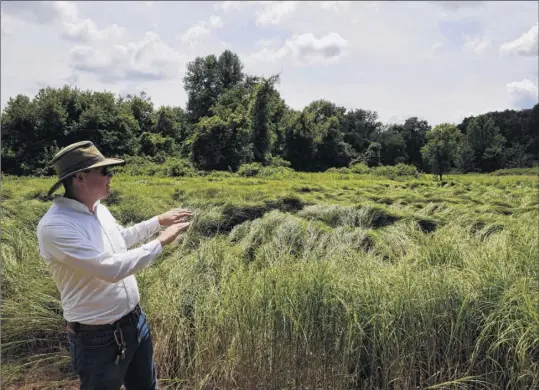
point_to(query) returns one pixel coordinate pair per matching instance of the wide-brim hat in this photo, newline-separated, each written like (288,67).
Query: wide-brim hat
(78,157)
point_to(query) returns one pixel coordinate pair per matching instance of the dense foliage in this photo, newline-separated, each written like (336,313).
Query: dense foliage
(232,118)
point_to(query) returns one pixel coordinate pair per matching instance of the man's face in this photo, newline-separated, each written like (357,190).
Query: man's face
(97,182)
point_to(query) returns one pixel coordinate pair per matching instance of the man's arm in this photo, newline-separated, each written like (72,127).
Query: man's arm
(139,232)
(70,247)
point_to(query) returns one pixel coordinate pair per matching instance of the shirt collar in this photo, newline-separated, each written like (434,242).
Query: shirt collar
(73,204)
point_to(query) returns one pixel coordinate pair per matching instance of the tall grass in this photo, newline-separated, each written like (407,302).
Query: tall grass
(274,288)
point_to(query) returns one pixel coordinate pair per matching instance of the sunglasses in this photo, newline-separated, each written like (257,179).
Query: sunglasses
(104,171)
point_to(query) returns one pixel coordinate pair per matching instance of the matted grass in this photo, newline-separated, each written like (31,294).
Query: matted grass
(315,281)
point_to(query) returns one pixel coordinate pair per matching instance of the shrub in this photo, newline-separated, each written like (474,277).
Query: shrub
(277,161)
(175,167)
(516,171)
(279,171)
(156,166)
(399,170)
(339,170)
(360,168)
(249,170)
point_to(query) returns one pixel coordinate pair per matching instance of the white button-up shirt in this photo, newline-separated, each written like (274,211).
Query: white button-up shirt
(88,257)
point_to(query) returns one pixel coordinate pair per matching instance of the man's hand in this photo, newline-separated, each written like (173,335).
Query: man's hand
(172,232)
(174,216)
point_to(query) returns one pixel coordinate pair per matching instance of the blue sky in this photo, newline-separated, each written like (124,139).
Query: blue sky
(438,60)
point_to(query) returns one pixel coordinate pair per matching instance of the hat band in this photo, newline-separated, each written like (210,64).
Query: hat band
(81,165)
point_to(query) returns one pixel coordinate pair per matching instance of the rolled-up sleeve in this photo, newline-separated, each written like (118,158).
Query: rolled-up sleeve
(68,245)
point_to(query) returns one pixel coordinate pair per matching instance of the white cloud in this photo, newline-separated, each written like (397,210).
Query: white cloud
(523,93)
(333,5)
(458,5)
(526,45)
(476,44)
(264,42)
(437,46)
(148,59)
(8,25)
(274,12)
(232,5)
(268,13)
(216,21)
(67,15)
(87,31)
(306,49)
(201,29)
(43,12)
(198,30)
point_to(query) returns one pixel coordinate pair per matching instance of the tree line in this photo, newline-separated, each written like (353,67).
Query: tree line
(232,118)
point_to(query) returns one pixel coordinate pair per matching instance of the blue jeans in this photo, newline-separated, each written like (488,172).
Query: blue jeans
(93,355)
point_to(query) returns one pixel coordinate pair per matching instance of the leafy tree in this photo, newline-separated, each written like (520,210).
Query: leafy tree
(414,135)
(260,119)
(152,144)
(393,146)
(441,148)
(206,79)
(143,110)
(487,143)
(332,150)
(372,156)
(230,70)
(319,114)
(19,126)
(360,128)
(170,122)
(110,128)
(532,146)
(300,147)
(465,159)
(220,145)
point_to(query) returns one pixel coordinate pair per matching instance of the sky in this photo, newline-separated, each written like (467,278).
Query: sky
(438,60)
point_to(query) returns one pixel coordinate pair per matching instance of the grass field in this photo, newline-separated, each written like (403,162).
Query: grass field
(308,281)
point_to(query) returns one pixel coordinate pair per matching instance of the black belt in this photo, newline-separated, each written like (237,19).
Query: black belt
(129,318)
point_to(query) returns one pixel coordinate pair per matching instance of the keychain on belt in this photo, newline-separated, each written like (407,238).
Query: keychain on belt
(121,344)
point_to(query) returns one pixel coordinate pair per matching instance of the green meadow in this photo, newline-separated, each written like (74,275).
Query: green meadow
(331,280)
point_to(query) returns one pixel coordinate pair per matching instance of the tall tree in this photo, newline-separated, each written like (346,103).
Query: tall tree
(360,128)
(230,70)
(260,118)
(300,146)
(372,156)
(414,134)
(441,148)
(220,145)
(19,126)
(393,146)
(465,159)
(143,110)
(332,150)
(487,143)
(170,122)
(206,79)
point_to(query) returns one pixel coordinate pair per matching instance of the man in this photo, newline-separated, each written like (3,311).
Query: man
(93,261)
